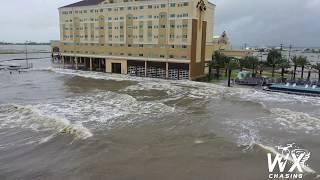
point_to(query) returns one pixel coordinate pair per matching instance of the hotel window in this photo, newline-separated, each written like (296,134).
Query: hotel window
(172,26)
(185,36)
(186,4)
(91,10)
(162,16)
(129,45)
(141,7)
(184,46)
(184,57)
(109,9)
(185,15)
(129,54)
(129,8)
(163,26)
(171,56)
(163,5)
(162,56)
(172,46)
(150,27)
(140,45)
(101,10)
(172,15)
(149,6)
(172,4)
(141,55)
(121,9)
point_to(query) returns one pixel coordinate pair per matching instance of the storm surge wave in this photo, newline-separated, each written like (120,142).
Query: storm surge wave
(30,117)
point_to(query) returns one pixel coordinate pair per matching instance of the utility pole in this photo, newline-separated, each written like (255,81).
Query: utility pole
(290,48)
(26,46)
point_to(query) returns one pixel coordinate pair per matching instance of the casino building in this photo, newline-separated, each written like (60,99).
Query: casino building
(170,39)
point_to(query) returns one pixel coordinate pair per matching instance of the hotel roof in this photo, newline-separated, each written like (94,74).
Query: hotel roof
(94,2)
(84,3)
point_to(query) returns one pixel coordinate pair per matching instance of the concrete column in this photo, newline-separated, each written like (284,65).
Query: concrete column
(90,64)
(100,63)
(167,70)
(145,68)
(76,62)
(105,64)
(63,61)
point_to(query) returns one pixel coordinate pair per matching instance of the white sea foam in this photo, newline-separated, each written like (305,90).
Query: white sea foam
(29,117)
(195,89)
(106,108)
(294,121)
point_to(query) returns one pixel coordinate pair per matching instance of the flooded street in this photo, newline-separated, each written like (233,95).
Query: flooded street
(67,124)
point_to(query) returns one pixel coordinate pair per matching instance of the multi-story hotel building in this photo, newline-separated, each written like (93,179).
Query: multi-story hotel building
(154,38)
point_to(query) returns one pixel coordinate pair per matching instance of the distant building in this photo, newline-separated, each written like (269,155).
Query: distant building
(169,39)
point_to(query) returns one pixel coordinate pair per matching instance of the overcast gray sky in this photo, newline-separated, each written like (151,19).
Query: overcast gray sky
(255,22)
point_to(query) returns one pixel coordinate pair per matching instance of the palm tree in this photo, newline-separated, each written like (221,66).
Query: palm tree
(260,67)
(243,63)
(284,64)
(317,67)
(303,62)
(218,60)
(226,64)
(252,62)
(273,59)
(233,63)
(295,62)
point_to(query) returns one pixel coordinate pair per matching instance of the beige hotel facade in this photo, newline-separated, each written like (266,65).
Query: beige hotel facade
(170,39)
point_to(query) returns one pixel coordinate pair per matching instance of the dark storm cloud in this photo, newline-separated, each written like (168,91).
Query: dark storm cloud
(269,22)
(256,22)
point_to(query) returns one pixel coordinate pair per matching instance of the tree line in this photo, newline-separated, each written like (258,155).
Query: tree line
(275,61)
